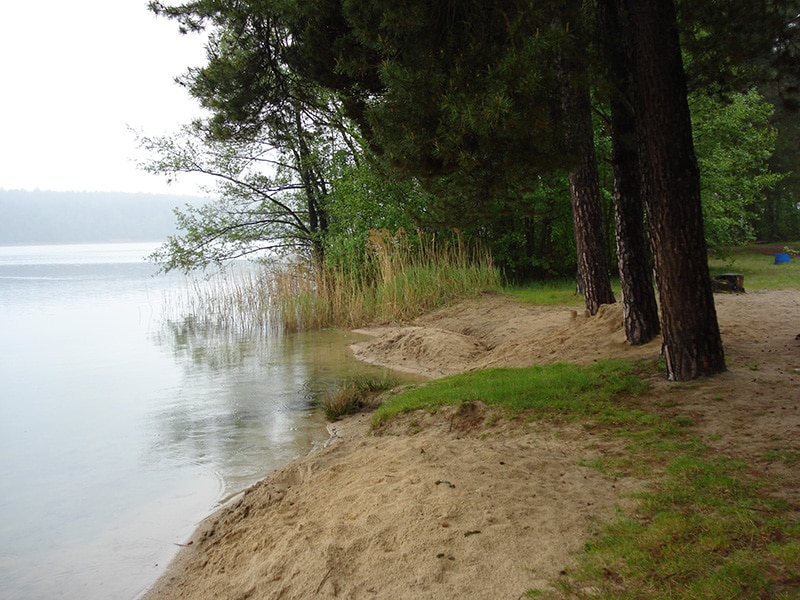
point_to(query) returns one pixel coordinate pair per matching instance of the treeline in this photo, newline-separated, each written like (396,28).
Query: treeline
(332,119)
(47,217)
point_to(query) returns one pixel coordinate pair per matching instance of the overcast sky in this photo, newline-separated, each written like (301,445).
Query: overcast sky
(73,76)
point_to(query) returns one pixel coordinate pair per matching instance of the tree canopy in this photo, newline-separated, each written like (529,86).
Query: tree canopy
(474,115)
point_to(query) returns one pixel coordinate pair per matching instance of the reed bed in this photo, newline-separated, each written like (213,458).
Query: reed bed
(402,276)
(235,299)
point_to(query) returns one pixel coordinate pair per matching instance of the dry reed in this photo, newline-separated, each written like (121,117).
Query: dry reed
(235,299)
(401,276)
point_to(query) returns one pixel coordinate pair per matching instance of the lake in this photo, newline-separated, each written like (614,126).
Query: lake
(122,425)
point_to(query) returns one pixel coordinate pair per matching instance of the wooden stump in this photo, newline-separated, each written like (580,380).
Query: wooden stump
(731,283)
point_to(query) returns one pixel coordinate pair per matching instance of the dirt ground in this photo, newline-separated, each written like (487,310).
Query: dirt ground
(460,505)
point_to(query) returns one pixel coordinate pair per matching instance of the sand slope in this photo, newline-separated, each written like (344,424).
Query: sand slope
(458,505)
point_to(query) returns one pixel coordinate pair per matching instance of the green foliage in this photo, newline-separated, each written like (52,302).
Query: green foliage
(457,85)
(731,45)
(548,250)
(734,142)
(781,216)
(527,228)
(271,190)
(314,191)
(459,99)
(364,197)
(462,99)
(240,223)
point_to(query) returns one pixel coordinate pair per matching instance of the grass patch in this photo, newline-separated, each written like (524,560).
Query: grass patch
(356,393)
(556,292)
(708,530)
(789,456)
(709,527)
(754,261)
(563,391)
(757,264)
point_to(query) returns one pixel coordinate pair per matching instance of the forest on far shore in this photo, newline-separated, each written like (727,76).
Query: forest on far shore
(46,217)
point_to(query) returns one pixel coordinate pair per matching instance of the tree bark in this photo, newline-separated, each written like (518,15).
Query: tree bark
(584,187)
(639,307)
(640,310)
(671,191)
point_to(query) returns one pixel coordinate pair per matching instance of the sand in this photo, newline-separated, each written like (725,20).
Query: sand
(462,504)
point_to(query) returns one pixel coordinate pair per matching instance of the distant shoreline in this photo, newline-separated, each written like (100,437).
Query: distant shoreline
(44,218)
(82,242)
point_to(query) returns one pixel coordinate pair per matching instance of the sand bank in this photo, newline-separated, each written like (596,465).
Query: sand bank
(460,505)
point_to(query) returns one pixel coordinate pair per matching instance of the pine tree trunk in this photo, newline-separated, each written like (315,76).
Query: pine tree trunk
(640,310)
(671,191)
(584,186)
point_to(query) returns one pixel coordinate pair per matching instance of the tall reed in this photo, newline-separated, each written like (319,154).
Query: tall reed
(402,276)
(235,299)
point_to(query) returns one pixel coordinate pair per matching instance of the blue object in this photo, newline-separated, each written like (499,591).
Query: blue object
(781,259)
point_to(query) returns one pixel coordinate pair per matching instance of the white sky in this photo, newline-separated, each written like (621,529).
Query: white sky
(73,76)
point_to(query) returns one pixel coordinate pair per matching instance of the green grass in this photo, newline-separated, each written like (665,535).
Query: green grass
(557,391)
(788,456)
(560,292)
(709,527)
(757,264)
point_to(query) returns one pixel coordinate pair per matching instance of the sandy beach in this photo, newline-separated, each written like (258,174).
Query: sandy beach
(462,504)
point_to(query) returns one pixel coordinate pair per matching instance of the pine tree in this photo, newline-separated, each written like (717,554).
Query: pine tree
(671,190)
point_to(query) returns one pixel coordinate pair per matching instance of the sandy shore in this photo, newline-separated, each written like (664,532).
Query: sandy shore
(461,504)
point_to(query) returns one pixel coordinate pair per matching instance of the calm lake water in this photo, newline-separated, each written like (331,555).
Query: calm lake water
(120,429)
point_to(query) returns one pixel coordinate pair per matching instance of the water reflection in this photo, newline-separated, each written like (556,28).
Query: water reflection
(121,424)
(247,403)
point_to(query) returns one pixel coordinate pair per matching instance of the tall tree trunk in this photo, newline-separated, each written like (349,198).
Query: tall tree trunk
(639,307)
(584,186)
(640,310)
(671,191)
